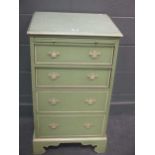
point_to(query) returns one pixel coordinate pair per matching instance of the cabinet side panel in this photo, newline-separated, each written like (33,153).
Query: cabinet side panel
(33,82)
(112,80)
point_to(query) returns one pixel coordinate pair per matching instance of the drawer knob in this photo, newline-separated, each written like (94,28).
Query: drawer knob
(53,125)
(90,101)
(92,76)
(54,54)
(53,101)
(94,54)
(54,75)
(87,125)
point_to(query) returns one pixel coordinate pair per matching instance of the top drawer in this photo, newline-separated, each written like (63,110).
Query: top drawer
(73,54)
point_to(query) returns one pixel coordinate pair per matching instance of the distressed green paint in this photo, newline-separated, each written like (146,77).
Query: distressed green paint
(71,101)
(72,54)
(70,126)
(74,40)
(70,77)
(99,143)
(76,24)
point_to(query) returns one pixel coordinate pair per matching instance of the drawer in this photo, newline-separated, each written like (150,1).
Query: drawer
(70,125)
(72,77)
(69,54)
(71,101)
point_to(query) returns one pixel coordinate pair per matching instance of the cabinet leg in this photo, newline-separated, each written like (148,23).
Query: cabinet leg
(38,149)
(101,146)
(38,144)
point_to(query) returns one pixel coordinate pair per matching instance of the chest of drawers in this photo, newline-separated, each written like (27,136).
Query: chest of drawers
(73,59)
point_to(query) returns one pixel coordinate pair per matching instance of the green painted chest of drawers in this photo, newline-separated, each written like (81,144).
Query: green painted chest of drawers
(73,59)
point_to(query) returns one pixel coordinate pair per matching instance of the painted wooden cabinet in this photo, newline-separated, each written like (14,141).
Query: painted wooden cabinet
(73,60)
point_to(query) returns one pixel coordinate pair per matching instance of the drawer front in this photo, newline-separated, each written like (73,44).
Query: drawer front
(72,77)
(64,54)
(71,101)
(70,125)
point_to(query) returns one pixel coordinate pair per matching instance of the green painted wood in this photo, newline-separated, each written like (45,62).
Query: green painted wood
(70,126)
(76,24)
(111,83)
(71,101)
(74,35)
(99,143)
(72,40)
(33,82)
(62,54)
(72,78)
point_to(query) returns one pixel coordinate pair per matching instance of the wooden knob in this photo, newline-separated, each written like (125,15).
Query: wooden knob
(53,125)
(54,75)
(94,54)
(92,76)
(87,125)
(90,101)
(54,54)
(53,101)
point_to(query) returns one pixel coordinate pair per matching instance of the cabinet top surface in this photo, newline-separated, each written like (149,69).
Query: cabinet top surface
(74,24)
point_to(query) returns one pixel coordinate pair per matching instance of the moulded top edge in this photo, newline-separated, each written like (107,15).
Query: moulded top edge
(72,24)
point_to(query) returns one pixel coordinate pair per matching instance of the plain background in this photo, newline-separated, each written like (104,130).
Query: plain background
(145,98)
(122,13)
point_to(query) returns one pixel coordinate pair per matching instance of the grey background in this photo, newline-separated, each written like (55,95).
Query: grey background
(121,11)
(121,120)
